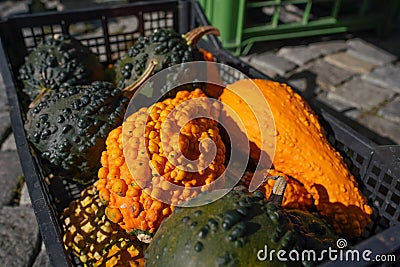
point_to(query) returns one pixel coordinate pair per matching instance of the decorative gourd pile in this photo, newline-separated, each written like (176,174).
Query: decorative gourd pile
(303,153)
(75,122)
(152,163)
(68,124)
(96,240)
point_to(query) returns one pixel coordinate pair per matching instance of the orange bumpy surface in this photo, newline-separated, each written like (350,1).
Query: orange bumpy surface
(142,144)
(303,152)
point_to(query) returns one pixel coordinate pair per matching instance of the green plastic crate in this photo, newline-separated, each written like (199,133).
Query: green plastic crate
(244,22)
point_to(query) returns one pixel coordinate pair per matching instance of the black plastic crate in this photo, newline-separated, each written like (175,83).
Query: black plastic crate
(377,168)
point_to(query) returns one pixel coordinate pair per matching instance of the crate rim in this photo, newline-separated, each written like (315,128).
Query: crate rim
(91,10)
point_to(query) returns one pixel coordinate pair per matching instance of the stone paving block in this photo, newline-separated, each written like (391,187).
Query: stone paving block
(9,144)
(352,114)
(348,62)
(3,96)
(266,71)
(367,51)
(127,24)
(78,28)
(386,76)
(5,125)
(300,55)
(299,83)
(25,199)
(18,7)
(270,62)
(360,94)
(383,127)
(4,5)
(287,13)
(122,25)
(333,103)
(328,47)
(3,101)
(391,111)
(10,171)
(303,80)
(42,260)
(329,76)
(19,236)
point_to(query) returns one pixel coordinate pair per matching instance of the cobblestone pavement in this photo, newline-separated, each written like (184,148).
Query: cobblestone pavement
(356,74)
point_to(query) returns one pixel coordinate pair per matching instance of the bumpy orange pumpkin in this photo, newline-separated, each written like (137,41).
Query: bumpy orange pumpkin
(303,152)
(155,162)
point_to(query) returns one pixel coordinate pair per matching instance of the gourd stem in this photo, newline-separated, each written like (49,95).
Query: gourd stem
(196,34)
(39,97)
(130,90)
(278,190)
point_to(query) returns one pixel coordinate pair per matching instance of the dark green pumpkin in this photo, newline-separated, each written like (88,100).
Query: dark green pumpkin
(162,49)
(233,230)
(57,61)
(68,127)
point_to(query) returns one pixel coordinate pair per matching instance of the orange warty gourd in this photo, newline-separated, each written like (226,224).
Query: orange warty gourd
(155,162)
(303,152)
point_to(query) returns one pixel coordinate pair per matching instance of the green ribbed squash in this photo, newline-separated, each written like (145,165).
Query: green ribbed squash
(68,127)
(58,60)
(232,230)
